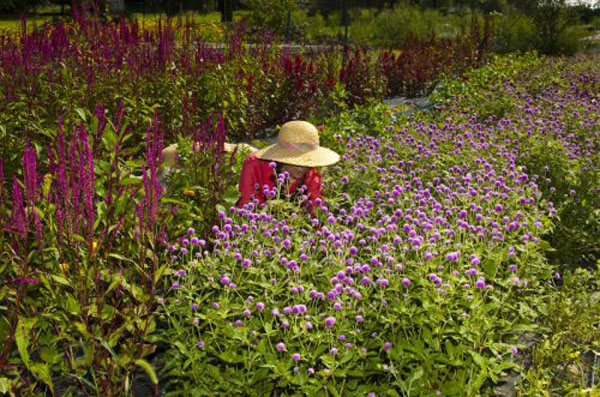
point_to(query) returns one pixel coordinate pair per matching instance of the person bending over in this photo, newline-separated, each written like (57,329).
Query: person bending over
(296,154)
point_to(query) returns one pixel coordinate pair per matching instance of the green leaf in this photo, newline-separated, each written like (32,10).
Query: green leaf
(149,370)
(392,392)
(22,339)
(5,385)
(231,358)
(61,280)
(418,374)
(81,114)
(42,371)
(72,305)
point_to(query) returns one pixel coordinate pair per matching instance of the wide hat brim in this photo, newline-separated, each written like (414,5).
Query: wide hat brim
(319,157)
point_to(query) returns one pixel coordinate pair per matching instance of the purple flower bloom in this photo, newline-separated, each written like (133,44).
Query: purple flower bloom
(296,357)
(405,282)
(383,282)
(260,306)
(330,321)
(280,346)
(201,344)
(387,346)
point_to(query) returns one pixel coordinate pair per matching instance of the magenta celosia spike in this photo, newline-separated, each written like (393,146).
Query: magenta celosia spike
(19,218)
(61,175)
(60,217)
(1,181)
(30,173)
(38,228)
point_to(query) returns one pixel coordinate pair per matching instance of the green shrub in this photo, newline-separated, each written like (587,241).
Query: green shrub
(564,361)
(515,32)
(271,14)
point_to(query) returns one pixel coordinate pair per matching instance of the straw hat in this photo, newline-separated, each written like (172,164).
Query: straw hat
(298,144)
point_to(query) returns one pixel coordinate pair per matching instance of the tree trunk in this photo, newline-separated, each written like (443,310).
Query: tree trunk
(226,9)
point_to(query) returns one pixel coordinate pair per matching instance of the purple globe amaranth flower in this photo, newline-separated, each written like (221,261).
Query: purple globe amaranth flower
(452,256)
(330,321)
(272,165)
(405,282)
(480,284)
(201,344)
(296,357)
(383,282)
(260,306)
(280,346)
(387,346)
(333,351)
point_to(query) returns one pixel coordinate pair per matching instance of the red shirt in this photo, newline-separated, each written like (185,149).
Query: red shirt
(256,173)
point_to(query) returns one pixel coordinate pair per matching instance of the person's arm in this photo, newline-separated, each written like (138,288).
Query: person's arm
(314,186)
(249,176)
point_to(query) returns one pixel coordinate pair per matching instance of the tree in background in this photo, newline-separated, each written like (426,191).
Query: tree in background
(19,5)
(271,14)
(226,9)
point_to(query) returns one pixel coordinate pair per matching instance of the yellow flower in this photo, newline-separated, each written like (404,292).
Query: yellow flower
(64,267)
(189,192)
(47,184)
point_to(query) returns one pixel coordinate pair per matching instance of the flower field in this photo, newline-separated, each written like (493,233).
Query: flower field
(418,276)
(454,247)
